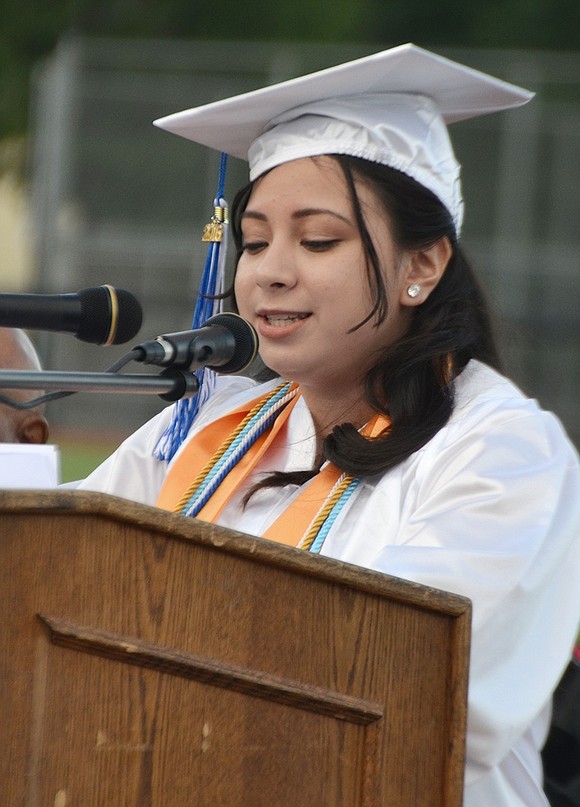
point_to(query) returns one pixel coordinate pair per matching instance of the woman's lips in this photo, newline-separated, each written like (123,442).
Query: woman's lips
(279,320)
(279,323)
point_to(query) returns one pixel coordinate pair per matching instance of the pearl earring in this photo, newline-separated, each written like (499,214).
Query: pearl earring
(413,290)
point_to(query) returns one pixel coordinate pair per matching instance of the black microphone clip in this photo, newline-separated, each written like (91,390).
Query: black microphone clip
(225,343)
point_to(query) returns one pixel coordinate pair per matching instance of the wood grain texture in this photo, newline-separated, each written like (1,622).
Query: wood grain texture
(216,673)
(147,659)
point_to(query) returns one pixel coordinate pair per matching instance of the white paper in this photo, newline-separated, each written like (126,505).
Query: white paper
(27,465)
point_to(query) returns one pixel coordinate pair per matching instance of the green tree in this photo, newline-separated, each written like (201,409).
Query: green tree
(532,24)
(30,30)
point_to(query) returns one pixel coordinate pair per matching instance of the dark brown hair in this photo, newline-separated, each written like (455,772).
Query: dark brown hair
(413,380)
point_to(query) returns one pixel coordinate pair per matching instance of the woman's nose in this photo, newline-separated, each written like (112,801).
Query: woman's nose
(276,268)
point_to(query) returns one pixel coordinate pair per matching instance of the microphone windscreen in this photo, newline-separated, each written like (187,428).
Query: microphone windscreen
(246,341)
(130,317)
(108,316)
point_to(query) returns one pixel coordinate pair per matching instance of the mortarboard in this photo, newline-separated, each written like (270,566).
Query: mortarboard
(393,107)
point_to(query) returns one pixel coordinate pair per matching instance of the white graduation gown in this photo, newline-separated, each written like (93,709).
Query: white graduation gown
(489,508)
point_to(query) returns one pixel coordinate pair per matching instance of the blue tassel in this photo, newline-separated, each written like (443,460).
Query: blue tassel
(212,283)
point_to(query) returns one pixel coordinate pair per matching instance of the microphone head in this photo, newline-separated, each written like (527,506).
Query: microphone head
(109,316)
(245,338)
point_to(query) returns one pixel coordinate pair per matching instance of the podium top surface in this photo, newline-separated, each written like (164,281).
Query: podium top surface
(105,507)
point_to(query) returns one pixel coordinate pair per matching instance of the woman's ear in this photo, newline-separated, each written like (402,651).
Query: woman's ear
(423,270)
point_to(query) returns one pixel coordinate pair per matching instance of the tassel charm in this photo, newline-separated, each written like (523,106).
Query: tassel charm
(214,231)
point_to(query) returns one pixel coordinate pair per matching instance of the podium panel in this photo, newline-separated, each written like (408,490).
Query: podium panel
(147,659)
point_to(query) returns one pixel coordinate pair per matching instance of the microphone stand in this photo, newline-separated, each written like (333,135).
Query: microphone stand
(171,385)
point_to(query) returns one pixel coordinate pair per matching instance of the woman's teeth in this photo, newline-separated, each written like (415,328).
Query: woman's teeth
(283,319)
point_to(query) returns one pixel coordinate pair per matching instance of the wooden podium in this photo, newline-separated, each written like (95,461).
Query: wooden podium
(149,660)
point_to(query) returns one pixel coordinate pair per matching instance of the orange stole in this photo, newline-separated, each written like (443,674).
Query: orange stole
(291,525)
(201,449)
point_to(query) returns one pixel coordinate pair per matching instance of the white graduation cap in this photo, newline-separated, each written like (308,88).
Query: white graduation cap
(390,107)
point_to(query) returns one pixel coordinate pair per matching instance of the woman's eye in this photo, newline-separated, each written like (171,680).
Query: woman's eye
(253,246)
(321,244)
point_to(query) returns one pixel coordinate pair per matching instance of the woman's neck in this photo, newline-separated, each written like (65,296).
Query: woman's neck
(328,409)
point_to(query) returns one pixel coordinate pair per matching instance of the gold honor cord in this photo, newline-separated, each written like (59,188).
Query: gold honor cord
(114,316)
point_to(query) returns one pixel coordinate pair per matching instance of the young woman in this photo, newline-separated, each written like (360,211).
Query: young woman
(387,411)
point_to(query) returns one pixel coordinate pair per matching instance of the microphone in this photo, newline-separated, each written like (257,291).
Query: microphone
(102,315)
(225,342)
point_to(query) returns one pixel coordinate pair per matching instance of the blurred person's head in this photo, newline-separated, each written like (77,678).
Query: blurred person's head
(20,425)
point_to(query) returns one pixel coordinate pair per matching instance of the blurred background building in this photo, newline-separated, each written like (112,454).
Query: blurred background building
(115,200)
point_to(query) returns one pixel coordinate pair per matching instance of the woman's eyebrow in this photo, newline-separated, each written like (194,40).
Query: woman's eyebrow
(319,211)
(299,214)
(254,214)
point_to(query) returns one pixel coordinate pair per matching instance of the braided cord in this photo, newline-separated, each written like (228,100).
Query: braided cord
(334,502)
(260,418)
(255,423)
(325,528)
